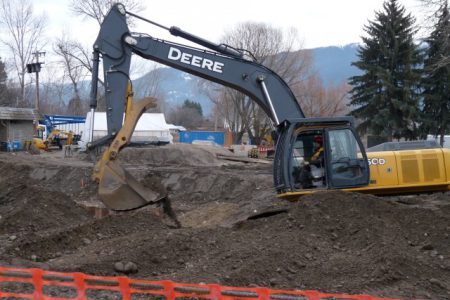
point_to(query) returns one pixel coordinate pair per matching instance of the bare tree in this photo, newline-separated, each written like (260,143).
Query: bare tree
(277,50)
(53,90)
(317,100)
(76,65)
(97,9)
(430,10)
(25,35)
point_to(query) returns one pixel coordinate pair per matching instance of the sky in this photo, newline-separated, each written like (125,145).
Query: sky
(319,23)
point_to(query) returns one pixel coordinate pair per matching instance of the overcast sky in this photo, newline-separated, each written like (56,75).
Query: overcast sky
(319,22)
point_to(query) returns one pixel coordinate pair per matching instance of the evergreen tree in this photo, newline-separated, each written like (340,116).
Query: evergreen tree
(436,79)
(386,95)
(193,105)
(4,99)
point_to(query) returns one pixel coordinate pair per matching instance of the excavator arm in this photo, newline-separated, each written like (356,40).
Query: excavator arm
(115,43)
(221,64)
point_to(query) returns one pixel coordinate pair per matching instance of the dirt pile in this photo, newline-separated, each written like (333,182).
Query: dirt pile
(175,154)
(234,230)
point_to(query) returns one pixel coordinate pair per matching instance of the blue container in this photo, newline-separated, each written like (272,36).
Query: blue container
(188,137)
(7,146)
(16,145)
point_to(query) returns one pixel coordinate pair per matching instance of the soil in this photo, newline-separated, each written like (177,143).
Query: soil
(234,231)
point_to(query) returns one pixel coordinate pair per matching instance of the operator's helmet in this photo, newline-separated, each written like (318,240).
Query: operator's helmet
(318,139)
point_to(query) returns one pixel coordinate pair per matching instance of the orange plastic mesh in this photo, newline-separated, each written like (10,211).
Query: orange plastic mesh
(39,284)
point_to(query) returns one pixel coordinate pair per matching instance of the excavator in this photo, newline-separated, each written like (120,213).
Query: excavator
(343,164)
(56,137)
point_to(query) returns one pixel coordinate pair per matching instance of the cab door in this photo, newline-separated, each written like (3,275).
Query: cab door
(346,161)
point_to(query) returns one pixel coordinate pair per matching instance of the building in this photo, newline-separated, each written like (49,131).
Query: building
(16,127)
(150,129)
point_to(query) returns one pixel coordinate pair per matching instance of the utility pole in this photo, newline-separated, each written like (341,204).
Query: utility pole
(36,68)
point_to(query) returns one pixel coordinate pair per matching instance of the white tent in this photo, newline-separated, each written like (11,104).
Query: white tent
(150,129)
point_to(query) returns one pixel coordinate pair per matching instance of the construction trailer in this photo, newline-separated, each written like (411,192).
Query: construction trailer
(151,129)
(16,127)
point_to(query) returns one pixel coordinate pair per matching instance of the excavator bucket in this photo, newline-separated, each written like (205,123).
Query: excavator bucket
(118,189)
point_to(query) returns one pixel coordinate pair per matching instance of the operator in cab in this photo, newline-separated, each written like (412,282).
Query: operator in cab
(317,158)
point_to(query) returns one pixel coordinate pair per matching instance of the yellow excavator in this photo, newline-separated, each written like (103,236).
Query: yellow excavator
(56,138)
(342,162)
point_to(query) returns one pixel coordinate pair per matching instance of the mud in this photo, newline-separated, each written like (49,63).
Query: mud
(234,230)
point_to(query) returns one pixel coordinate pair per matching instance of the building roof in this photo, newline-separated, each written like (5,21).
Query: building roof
(14,113)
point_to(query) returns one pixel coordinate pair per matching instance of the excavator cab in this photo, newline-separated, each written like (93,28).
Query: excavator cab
(320,153)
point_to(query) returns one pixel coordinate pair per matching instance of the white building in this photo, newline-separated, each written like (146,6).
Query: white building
(150,129)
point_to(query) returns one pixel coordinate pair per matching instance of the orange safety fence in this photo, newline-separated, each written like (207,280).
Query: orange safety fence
(38,284)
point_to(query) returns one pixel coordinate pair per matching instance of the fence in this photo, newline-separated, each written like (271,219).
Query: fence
(38,284)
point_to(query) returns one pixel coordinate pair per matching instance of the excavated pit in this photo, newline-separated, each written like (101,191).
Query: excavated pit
(234,231)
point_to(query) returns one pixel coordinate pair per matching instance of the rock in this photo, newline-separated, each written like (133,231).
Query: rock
(130,267)
(12,238)
(291,270)
(438,283)
(86,241)
(273,281)
(125,267)
(309,256)
(428,247)
(119,267)
(33,257)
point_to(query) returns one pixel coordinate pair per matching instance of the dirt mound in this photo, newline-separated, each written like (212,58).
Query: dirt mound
(353,243)
(68,240)
(331,241)
(25,208)
(234,230)
(175,154)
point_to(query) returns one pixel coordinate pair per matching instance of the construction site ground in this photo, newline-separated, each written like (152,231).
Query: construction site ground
(234,231)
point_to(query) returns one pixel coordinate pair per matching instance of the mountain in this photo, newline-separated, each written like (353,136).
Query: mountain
(333,65)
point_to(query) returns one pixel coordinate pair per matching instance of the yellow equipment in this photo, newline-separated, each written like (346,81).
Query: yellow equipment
(395,167)
(57,138)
